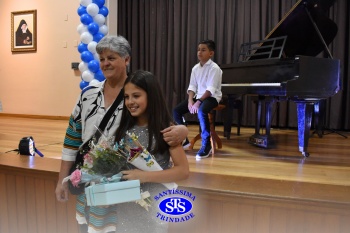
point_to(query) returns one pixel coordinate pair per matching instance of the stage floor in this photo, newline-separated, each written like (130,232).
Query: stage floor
(240,168)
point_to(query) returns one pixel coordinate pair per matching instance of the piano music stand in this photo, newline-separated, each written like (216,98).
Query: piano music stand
(262,49)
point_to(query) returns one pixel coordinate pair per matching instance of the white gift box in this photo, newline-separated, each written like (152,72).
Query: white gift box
(113,193)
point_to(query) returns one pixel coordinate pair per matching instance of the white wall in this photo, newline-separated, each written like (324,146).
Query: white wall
(42,82)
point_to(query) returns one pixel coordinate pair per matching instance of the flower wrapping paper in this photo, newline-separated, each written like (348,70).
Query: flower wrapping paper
(146,162)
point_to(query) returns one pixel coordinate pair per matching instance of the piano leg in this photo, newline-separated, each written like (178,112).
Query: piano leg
(258,116)
(239,106)
(229,116)
(268,115)
(265,140)
(304,109)
(233,102)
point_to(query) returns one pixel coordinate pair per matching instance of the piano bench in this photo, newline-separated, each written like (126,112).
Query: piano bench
(214,138)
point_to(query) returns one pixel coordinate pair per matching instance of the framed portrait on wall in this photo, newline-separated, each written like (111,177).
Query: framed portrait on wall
(23,31)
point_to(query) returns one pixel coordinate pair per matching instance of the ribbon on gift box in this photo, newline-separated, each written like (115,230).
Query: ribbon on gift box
(112,179)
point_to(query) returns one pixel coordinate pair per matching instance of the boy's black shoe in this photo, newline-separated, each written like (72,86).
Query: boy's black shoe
(204,152)
(186,144)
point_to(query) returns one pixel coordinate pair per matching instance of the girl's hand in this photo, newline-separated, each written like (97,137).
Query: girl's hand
(134,174)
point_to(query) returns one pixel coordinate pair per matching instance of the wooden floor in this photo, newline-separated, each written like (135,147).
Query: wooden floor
(251,169)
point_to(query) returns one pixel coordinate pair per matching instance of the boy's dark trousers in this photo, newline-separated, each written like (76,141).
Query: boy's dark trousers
(206,106)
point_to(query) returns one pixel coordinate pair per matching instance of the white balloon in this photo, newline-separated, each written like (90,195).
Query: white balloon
(92,47)
(86,37)
(96,57)
(82,28)
(93,82)
(92,9)
(99,19)
(103,29)
(83,66)
(85,2)
(87,76)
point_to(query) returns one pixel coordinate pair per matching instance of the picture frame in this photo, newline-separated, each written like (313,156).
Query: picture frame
(24,31)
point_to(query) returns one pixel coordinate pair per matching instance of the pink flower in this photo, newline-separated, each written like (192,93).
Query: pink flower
(88,160)
(75,177)
(104,144)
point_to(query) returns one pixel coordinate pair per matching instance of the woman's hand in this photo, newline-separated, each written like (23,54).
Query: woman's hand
(61,191)
(175,135)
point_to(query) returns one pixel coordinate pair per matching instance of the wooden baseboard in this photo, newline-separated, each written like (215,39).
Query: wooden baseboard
(34,116)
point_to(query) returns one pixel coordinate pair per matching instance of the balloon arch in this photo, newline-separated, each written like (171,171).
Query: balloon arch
(92,29)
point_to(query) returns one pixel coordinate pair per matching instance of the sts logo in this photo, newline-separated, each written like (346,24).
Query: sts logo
(175,208)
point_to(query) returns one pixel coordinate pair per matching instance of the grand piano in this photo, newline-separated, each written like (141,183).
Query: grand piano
(284,66)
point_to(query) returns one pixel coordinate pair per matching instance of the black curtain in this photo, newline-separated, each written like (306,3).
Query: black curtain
(164,35)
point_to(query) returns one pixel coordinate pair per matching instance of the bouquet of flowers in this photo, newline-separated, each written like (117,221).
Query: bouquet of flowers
(101,173)
(100,163)
(106,159)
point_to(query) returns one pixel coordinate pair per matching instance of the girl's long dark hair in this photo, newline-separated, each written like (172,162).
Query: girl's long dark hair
(158,114)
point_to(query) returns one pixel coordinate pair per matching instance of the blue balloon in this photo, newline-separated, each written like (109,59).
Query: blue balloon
(99,76)
(86,19)
(103,11)
(98,36)
(86,56)
(99,3)
(93,28)
(81,10)
(82,47)
(83,84)
(93,66)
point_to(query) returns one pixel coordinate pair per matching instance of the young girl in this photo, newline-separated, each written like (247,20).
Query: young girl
(147,115)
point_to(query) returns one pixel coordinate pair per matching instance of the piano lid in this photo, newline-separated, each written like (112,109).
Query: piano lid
(303,38)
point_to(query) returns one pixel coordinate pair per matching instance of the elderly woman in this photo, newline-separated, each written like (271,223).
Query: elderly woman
(92,105)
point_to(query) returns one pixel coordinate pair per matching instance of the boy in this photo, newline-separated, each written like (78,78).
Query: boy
(204,94)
